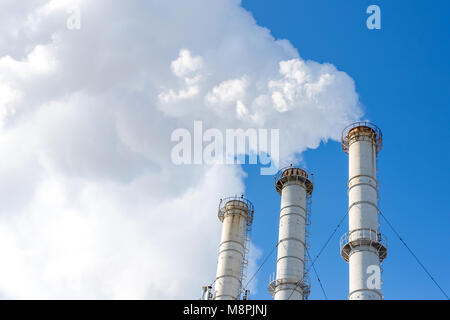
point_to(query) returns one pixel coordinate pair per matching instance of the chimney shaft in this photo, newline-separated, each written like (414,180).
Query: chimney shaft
(362,246)
(236,213)
(295,187)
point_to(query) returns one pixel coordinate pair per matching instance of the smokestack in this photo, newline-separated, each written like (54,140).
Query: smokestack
(236,213)
(295,186)
(362,246)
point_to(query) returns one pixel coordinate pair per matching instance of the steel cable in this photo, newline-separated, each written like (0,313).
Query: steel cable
(321,250)
(415,257)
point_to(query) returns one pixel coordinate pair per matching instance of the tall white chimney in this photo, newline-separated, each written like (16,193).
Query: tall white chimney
(362,246)
(295,186)
(236,213)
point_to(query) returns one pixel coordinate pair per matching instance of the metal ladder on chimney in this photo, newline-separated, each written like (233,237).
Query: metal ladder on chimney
(244,265)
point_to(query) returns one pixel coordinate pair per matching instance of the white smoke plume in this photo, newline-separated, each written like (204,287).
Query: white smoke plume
(90,204)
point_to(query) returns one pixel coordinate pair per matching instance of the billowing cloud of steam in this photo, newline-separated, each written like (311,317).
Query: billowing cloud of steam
(90,204)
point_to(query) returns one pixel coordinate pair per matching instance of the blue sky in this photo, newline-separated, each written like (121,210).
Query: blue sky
(402,74)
